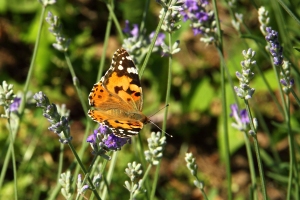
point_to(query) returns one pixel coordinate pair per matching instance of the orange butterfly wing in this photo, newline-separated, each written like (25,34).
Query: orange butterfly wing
(118,98)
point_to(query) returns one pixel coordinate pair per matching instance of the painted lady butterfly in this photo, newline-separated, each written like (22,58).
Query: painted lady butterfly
(118,98)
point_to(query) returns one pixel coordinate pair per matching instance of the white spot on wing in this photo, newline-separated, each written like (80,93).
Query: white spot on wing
(128,58)
(132,70)
(133,132)
(120,67)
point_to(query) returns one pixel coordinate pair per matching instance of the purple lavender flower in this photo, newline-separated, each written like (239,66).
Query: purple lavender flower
(92,138)
(132,33)
(15,105)
(241,117)
(275,48)
(202,20)
(283,82)
(244,117)
(59,124)
(137,42)
(115,142)
(160,38)
(105,139)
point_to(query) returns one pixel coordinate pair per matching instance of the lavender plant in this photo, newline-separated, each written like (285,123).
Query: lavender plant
(192,166)
(100,155)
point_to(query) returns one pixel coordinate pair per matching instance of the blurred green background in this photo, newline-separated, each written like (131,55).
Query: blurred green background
(195,108)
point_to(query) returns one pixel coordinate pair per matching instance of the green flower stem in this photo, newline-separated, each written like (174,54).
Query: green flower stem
(153,42)
(219,47)
(105,43)
(110,173)
(112,14)
(251,167)
(13,160)
(285,7)
(83,168)
(295,96)
(10,150)
(13,133)
(257,151)
(82,150)
(203,193)
(54,192)
(290,135)
(154,185)
(31,67)
(264,127)
(139,150)
(225,126)
(76,84)
(293,168)
(131,193)
(61,161)
(104,163)
(146,9)
(8,154)
(146,175)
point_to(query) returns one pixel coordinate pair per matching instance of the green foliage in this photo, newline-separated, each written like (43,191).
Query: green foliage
(195,117)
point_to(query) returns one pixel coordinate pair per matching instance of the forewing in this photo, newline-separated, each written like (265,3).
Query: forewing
(122,80)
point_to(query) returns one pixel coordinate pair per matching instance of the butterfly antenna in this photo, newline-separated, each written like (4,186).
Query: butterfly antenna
(159,110)
(160,129)
(158,126)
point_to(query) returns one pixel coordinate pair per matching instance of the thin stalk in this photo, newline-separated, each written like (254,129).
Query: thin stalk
(295,96)
(225,126)
(114,18)
(13,160)
(219,47)
(293,172)
(169,78)
(31,67)
(105,43)
(76,84)
(7,155)
(60,162)
(139,151)
(144,177)
(82,150)
(23,100)
(84,170)
(257,151)
(251,167)
(110,172)
(104,163)
(153,42)
(146,9)
(290,134)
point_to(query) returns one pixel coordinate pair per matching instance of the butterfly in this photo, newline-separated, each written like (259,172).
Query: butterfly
(118,98)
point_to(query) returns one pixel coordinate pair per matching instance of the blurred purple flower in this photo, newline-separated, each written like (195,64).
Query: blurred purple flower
(241,117)
(160,38)
(92,138)
(15,104)
(283,82)
(244,116)
(134,32)
(127,27)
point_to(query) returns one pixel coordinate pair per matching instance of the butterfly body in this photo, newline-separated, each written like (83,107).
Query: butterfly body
(118,98)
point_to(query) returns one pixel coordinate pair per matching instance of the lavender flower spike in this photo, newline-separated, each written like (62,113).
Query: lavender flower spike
(275,48)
